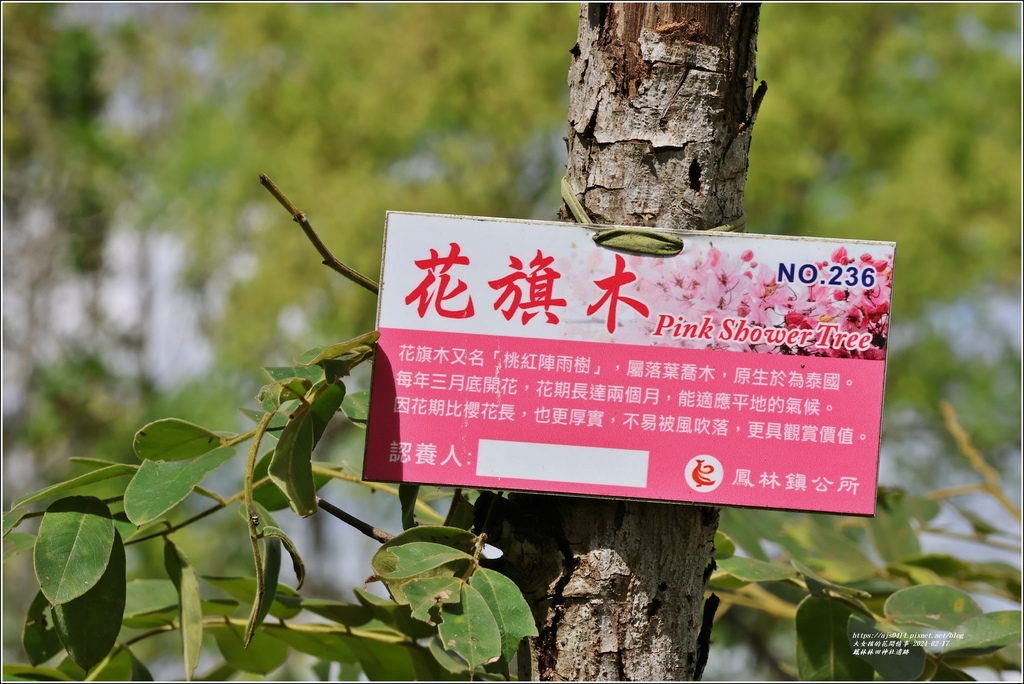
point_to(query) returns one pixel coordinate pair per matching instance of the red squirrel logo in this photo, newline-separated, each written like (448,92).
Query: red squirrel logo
(700,471)
(703,473)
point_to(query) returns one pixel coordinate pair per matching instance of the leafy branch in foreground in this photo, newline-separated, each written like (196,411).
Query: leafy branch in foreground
(473,617)
(912,616)
(469,625)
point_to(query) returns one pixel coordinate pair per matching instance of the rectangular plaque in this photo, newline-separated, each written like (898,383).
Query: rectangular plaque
(747,370)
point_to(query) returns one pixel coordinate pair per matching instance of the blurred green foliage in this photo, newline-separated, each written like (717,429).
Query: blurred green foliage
(895,122)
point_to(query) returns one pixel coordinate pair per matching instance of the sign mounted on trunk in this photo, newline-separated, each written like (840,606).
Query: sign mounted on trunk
(746,370)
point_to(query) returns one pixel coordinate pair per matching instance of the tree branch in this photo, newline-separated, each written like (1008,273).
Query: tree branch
(424,511)
(366,528)
(329,259)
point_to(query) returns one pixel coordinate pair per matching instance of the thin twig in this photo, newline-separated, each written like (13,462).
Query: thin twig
(174,528)
(238,439)
(329,259)
(425,511)
(974,457)
(977,539)
(369,530)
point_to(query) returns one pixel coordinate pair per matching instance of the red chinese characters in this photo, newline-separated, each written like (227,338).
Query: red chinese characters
(611,286)
(527,291)
(540,280)
(437,268)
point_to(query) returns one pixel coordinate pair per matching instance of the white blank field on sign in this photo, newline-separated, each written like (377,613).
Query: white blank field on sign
(562,463)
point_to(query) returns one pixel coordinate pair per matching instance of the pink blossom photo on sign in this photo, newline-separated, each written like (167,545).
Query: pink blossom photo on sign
(837,307)
(746,370)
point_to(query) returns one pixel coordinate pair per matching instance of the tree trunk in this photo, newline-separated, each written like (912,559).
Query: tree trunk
(659,127)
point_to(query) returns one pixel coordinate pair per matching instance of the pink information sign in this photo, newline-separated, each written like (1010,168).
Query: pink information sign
(747,370)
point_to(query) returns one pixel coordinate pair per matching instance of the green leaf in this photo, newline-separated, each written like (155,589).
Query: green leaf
(449,660)
(507,606)
(276,423)
(946,673)
(125,527)
(12,519)
(154,602)
(415,558)
(263,656)
(147,595)
(639,241)
(425,593)
(892,666)
(998,574)
(269,495)
(469,628)
(159,486)
(88,625)
(297,565)
(740,525)
(893,534)
(986,633)
(397,617)
(140,673)
(723,580)
(18,542)
(72,669)
(73,546)
(244,590)
(407,495)
(322,670)
(291,467)
(263,600)
(914,573)
(173,439)
(292,388)
(319,354)
(327,646)
(822,649)
(724,545)
(357,407)
(269,397)
(312,373)
(939,607)
(455,537)
(461,513)
(347,614)
(820,587)
(456,665)
(921,509)
(325,404)
(817,541)
(753,570)
(165,616)
(223,672)
(16,672)
(118,669)
(190,611)
(94,463)
(39,637)
(396,661)
(92,477)
(942,565)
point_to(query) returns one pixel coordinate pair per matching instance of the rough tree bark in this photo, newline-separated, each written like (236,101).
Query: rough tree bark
(661,109)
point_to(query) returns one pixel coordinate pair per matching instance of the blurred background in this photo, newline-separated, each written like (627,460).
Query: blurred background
(146,273)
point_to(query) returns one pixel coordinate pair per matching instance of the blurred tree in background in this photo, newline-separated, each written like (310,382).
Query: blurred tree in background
(146,273)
